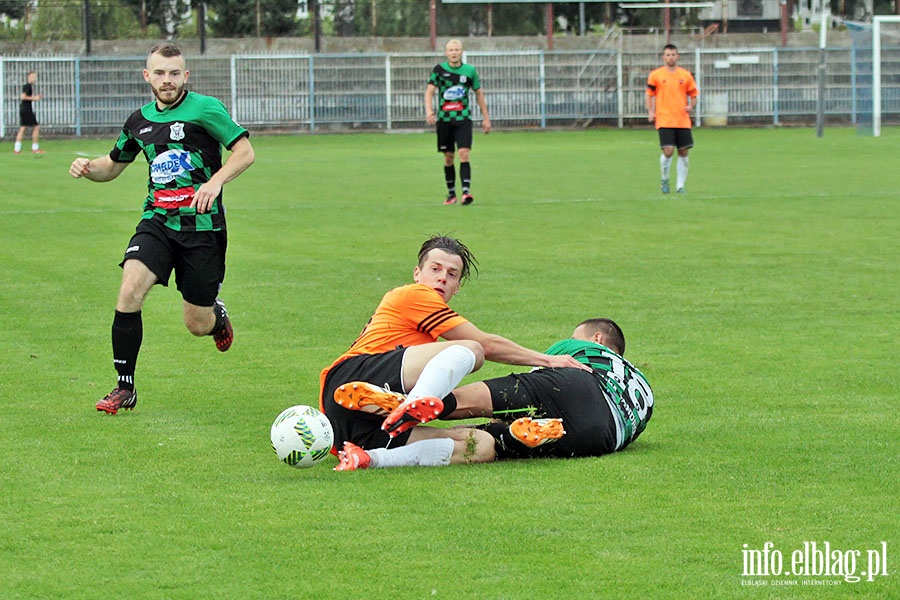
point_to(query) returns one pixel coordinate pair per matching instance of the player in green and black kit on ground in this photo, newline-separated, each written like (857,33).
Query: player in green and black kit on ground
(550,412)
(452,80)
(602,412)
(183,224)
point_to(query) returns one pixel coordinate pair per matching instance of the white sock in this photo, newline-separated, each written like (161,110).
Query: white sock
(35,147)
(665,162)
(682,169)
(424,453)
(443,372)
(18,147)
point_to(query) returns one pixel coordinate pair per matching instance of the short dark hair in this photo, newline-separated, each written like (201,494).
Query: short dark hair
(167,49)
(612,333)
(450,246)
(670,47)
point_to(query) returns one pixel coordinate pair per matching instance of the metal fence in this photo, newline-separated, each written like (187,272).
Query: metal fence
(307,93)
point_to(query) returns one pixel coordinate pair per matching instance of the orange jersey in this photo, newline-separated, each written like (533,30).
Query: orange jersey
(672,91)
(410,315)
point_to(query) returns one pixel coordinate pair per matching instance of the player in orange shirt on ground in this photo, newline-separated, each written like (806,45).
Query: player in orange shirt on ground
(398,352)
(671,97)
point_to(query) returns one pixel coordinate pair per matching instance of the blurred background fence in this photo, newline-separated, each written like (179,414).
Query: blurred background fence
(525,89)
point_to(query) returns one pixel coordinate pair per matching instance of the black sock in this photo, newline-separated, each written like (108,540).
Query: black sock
(127,335)
(449,406)
(450,178)
(505,445)
(219,311)
(465,176)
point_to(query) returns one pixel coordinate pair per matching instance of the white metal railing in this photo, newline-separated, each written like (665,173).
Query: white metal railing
(313,92)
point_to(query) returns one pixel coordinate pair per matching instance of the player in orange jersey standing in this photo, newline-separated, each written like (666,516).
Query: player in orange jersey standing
(671,98)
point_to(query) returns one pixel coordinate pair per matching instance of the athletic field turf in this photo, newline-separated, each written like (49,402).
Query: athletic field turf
(762,306)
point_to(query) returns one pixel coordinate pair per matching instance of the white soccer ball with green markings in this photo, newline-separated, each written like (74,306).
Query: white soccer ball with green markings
(302,436)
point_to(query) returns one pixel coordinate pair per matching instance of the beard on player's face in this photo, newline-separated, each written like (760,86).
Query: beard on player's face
(168,93)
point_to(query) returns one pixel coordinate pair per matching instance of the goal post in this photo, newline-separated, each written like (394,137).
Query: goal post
(868,73)
(876,69)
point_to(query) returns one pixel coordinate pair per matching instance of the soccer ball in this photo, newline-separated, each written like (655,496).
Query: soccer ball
(302,436)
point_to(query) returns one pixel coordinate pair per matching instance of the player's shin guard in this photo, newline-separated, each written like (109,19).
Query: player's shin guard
(443,372)
(127,336)
(665,166)
(465,175)
(424,453)
(450,177)
(682,172)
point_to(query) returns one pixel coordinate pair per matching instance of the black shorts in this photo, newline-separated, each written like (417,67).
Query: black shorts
(678,137)
(362,428)
(27,118)
(569,394)
(197,257)
(453,134)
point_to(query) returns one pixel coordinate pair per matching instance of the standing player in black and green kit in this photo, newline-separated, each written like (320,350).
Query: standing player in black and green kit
(181,135)
(452,80)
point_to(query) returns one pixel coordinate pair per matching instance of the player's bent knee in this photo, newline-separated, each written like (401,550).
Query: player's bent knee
(476,447)
(131,297)
(477,349)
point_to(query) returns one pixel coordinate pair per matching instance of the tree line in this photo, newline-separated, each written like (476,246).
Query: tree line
(50,20)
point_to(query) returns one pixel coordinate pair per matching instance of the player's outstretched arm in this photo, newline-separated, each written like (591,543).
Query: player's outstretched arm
(499,349)
(98,169)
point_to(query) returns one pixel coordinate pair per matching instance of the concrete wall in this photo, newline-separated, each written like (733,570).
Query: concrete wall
(335,45)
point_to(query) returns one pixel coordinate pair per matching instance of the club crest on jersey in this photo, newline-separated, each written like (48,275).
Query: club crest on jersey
(176,131)
(169,165)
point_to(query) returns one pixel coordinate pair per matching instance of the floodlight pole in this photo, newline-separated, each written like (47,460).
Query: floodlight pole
(549,26)
(667,23)
(201,25)
(317,26)
(784,22)
(432,12)
(87,26)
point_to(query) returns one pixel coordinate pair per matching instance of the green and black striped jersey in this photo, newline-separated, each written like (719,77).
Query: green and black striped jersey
(623,384)
(183,146)
(453,85)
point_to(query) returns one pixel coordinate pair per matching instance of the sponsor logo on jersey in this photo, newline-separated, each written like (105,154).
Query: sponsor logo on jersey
(176,131)
(451,106)
(173,198)
(145,130)
(456,92)
(169,165)
(132,249)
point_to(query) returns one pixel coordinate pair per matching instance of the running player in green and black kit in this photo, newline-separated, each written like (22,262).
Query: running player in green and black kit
(183,224)
(452,81)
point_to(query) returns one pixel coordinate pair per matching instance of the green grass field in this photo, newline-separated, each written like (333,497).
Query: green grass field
(762,306)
